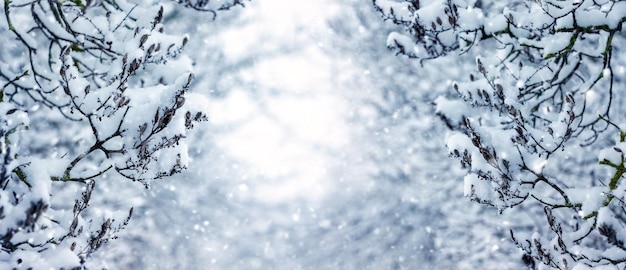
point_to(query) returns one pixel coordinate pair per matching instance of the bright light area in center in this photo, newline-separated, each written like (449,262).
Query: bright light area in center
(284,137)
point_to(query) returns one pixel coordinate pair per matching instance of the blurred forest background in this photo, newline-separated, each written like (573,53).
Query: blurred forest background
(322,151)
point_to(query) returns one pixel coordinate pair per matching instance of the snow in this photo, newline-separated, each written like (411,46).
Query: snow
(612,17)
(614,154)
(284,144)
(400,10)
(396,39)
(322,149)
(591,199)
(454,109)
(496,24)
(556,43)
(471,18)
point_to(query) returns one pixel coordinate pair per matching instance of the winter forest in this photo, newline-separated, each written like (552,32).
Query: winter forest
(346,134)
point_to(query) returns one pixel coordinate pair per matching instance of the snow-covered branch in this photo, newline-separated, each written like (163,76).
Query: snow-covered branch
(536,112)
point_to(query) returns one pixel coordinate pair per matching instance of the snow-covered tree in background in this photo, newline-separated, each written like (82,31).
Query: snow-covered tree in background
(537,125)
(90,90)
